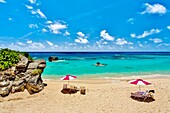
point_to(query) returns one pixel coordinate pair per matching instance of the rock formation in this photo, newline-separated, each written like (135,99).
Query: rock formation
(24,75)
(53,58)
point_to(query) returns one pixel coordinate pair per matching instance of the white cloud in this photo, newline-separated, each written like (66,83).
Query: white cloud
(21,43)
(44,30)
(81,38)
(66,33)
(33,12)
(33,26)
(164,44)
(168,27)
(130,20)
(156,40)
(56,27)
(140,45)
(106,36)
(146,33)
(2,1)
(49,43)
(29,7)
(122,41)
(104,42)
(55,46)
(36,45)
(9,19)
(29,41)
(41,14)
(80,34)
(49,22)
(32,1)
(155,8)
(133,35)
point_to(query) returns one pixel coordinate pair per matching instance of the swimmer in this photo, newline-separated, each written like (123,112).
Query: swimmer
(99,64)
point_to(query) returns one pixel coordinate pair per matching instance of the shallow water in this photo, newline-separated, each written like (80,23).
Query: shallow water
(118,64)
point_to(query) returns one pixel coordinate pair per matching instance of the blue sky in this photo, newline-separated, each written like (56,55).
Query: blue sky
(85,25)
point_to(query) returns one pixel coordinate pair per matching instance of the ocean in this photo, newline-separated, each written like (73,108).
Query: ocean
(116,64)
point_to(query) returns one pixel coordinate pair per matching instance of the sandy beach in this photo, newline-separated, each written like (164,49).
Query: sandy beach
(102,96)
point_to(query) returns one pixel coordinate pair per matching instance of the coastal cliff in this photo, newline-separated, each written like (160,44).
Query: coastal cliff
(26,74)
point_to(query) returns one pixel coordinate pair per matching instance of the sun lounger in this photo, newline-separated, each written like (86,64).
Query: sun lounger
(143,96)
(65,89)
(73,89)
(69,89)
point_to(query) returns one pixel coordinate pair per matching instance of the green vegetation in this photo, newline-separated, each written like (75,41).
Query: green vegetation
(27,55)
(36,72)
(8,58)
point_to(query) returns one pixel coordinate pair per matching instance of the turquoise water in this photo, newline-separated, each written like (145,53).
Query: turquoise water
(117,64)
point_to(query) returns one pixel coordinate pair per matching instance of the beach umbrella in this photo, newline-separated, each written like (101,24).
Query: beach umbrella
(140,82)
(68,77)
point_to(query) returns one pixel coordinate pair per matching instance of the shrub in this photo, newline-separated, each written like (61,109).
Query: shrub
(36,72)
(27,55)
(8,58)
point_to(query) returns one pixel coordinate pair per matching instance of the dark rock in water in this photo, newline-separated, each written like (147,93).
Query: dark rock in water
(53,58)
(25,75)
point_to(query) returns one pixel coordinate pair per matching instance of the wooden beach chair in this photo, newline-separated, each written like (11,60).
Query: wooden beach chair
(64,86)
(82,90)
(65,89)
(72,89)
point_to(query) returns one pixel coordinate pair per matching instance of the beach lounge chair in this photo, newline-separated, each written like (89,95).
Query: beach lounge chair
(69,89)
(72,89)
(82,90)
(143,96)
(149,96)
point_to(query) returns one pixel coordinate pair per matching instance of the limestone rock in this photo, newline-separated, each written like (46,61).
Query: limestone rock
(41,66)
(4,83)
(18,86)
(33,65)
(4,91)
(22,65)
(53,58)
(40,61)
(25,75)
(35,84)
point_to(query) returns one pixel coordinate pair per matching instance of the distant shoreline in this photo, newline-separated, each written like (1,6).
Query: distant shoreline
(97,51)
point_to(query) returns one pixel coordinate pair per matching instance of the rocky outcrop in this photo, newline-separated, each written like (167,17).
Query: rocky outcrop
(52,58)
(25,75)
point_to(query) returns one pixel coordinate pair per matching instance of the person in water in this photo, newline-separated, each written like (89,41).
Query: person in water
(99,64)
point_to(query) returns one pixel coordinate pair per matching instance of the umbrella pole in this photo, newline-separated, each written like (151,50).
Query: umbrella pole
(139,87)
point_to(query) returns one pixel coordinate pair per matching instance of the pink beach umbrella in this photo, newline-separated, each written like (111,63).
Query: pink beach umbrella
(139,82)
(68,77)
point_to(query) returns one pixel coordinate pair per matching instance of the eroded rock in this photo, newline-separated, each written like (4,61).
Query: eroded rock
(53,58)
(25,75)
